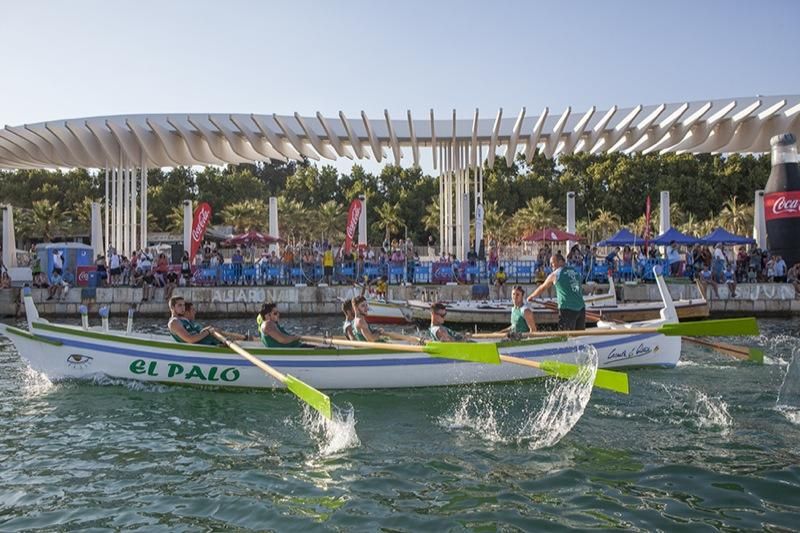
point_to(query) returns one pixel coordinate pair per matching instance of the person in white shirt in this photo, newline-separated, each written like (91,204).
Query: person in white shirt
(674,259)
(58,262)
(115,267)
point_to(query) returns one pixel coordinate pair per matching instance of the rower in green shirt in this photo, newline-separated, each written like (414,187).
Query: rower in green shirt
(183,327)
(272,334)
(361,329)
(571,307)
(440,332)
(522,320)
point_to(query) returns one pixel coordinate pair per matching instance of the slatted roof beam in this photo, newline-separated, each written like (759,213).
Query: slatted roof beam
(511,149)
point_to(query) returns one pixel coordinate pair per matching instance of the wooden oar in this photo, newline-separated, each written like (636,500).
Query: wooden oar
(487,352)
(739,352)
(316,399)
(703,328)
(604,379)
(745,353)
(466,351)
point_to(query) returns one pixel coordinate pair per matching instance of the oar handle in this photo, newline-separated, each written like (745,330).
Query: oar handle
(497,335)
(365,344)
(244,353)
(401,337)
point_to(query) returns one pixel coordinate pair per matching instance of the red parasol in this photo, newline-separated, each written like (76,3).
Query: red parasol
(551,235)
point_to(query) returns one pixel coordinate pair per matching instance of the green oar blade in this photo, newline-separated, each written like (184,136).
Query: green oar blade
(604,379)
(476,352)
(756,355)
(713,328)
(310,395)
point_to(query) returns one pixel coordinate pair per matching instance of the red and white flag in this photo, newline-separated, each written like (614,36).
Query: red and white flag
(202,216)
(352,222)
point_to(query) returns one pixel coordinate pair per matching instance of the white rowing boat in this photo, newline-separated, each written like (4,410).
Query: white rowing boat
(73,352)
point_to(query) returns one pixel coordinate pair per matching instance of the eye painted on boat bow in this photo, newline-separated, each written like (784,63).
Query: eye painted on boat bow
(77,360)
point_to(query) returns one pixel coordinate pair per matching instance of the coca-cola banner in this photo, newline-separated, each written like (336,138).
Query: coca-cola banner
(202,216)
(352,221)
(784,204)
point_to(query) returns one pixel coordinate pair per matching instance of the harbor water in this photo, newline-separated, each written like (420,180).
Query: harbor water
(712,444)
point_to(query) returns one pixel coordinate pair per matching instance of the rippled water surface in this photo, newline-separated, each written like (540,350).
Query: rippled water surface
(708,445)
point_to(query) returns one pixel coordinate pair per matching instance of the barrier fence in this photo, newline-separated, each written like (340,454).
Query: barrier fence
(422,272)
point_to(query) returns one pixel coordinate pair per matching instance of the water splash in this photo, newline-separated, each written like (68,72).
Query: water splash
(788,403)
(483,413)
(565,403)
(687,406)
(334,435)
(35,383)
(477,413)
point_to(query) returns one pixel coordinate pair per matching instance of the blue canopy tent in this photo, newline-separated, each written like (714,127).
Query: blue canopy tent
(623,237)
(674,235)
(724,236)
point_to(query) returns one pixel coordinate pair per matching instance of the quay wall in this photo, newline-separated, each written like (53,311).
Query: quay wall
(759,299)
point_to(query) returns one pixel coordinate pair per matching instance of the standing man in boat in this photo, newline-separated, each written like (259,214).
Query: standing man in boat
(571,307)
(361,328)
(272,333)
(438,330)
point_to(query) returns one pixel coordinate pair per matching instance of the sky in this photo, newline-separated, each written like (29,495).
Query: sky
(87,58)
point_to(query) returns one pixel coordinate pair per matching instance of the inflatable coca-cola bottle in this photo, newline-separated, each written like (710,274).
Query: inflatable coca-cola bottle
(782,200)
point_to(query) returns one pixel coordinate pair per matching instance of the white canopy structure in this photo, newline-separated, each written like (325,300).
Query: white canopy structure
(125,146)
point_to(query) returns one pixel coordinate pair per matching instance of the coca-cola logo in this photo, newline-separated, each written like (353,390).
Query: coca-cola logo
(785,204)
(353,222)
(202,220)
(83,276)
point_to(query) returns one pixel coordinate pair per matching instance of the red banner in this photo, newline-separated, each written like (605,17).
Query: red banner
(784,204)
(352,222)
(202,216)
(646,223)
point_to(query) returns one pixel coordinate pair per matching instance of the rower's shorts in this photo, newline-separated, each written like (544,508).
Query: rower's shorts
(571,320)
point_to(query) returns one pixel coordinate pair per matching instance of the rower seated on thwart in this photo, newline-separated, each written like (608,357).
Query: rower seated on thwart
(184,329)
(522,320)
(272,333)
(361,328)
(440,332)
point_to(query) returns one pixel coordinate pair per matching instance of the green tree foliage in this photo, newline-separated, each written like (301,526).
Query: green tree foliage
(610,192)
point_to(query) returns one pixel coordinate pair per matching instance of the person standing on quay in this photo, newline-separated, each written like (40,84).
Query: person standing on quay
(571,307)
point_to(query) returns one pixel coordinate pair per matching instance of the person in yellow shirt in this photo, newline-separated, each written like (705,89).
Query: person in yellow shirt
(381,288)
(500,283)
(327,264)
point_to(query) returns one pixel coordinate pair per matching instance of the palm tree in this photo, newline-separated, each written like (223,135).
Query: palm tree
(430,220)
(174,220)
(246,215)
(329,220)
(44,219)
(293,219)
(537,214)
(388,219)
(495,222)
(735,217)
(605,223)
